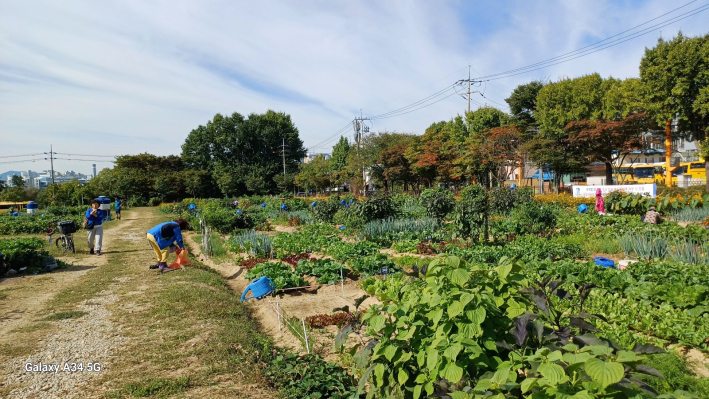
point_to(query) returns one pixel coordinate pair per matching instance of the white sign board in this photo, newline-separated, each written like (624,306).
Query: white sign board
(590,191)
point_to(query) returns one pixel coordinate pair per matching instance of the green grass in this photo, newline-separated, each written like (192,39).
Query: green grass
(71,314)
(677,376)
(159,388)
(187,329)
(603,245)
(3,295)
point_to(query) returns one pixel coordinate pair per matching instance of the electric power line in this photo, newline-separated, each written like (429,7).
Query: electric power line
(332,137)
(597,46)
(416,109)
(419,102)
(88,160)
(17,156)
(86,155)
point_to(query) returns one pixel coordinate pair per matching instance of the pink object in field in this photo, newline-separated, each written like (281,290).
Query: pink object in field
(600,205)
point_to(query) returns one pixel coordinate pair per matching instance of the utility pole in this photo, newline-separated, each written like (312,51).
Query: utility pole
(284,155)
(51,160)
(468,88)
(360,129)
(668,153)
(470,92)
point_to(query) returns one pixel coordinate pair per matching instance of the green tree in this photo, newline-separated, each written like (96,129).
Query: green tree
(244,154)
(340,151)
(285,183)
(559,104)
(523,103)
(675,77)
(314,175)
(17,181)
(485,118)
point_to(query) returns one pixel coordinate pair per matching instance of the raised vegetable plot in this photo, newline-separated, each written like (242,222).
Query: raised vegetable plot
(495,294)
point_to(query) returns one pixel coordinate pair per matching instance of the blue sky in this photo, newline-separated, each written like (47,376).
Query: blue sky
(111,78)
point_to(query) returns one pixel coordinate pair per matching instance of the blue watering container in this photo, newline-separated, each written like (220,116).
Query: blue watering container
(263,205)
(238,211)
(513,186)
(351,201)
(192,206)
(16,214)
(342,227)
(343,202)
(605,262)
(312,205)
(259,288)
(284,207)
(583,208)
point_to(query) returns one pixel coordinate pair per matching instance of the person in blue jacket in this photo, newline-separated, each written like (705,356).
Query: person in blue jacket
(94,217)
(118,209)
(164,236)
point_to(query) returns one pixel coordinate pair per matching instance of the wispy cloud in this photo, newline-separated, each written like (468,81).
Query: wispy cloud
(129,77)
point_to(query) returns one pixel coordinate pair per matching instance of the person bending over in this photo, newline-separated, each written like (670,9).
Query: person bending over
(94,217)
(164,236)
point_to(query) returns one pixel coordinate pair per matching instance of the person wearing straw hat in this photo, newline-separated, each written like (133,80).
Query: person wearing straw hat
(652,216)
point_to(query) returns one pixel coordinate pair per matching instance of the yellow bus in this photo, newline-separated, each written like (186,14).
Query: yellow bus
(695,169)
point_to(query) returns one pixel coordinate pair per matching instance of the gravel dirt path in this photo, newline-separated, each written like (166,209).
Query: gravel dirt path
(71,343)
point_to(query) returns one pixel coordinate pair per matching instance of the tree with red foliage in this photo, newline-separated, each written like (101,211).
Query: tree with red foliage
(608,141)
(396,168)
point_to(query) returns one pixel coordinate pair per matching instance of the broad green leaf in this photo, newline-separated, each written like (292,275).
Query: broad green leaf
(515,308)
(403,376)
(626,356)
(581,395)
(604,373)
(574,358)
(432,359)
(421,358)
(600,350)
(377,322)
(390,352)
(452,351)
(421,378)
(477,315)
(458,395)
(435,317)
(527,384)
(503,270)
(554,356)
(408,335)
(500,377)
(490,345)
(570,347)
(435,300)
(469,330)
(455,308)
(379,373)
(453,262)
(405,357)
(428,388)
(483,385)
(452,372)
(459,277)
(417,388)
(466,297)
(552,372)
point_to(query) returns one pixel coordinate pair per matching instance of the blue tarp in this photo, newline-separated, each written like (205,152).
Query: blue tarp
(545,176)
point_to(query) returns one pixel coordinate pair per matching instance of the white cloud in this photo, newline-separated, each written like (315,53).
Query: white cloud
(130,77)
